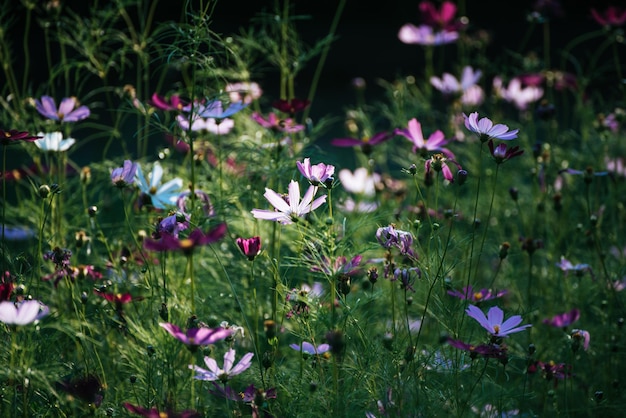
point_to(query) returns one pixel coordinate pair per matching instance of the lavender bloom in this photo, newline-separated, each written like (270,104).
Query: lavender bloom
(173,224)
(288,211)
(196,336)
(65,113)
(485,129)
(471,94)
(578,269)
(563,320)
(316,174)
(212,125)
(123,176)
(22,313)
(435,141)
(215,373)
(493,322)
(425,35)
(514,93)
(482,295)
(389,236)
(310,349)
(214,109)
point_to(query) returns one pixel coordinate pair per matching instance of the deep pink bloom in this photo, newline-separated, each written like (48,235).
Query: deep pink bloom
(563,320)
(174,102)
(65,113)
(442,18)
(485,129)
(439,163)
(12,136)
(117,298)
(197,336)
(318,174)
(612,16)
(494,321)
(310,349)
(435,141)
(250,247)
(497,351)
(550,370)
(186,245)
(276,124)
(155,413)
(365,143)
(291,106)
(482,295)
(503,153)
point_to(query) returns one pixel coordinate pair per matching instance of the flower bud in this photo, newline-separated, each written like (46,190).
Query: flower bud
(44,191)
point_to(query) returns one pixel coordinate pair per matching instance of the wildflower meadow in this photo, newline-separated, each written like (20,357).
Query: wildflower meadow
(187,231)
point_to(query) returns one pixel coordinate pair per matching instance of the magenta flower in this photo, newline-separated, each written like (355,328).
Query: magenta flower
(497,351)
(425,35)
(277,124)
(365,143)
(439,163)
(291,106)
(563,320)
(215,373)
(174,102)
(612,16)
(250,247)
(65,113)
(435,141)
(196,336)
(290,209)
(503,153)
(186,245)
(493,322)
(442,18)
(550,370)
(316,174)
(482,295)
(485,129)
(22,313)
(155,413)
(310,349)
(578,336)
(124,176)
(12,136)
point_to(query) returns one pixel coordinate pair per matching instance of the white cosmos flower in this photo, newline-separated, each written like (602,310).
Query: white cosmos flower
(162,196)
(54,142)
(288,211)
(359,182)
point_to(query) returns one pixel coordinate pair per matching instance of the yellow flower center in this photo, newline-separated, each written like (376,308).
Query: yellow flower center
(152,190)
(478,296)
(186,244)
(496,329)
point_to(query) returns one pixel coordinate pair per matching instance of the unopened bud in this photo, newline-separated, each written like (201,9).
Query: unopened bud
(44,191)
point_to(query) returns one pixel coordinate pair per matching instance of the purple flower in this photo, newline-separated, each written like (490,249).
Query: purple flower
(503,153)
(448,85)
(212,125)
(65,113)
(493,322)
(425,35)
(579,335)
(438,162)
(197,336)
(485,129)
(288,211)
(174,103)
(310,349)
(563,320)
(12,137)
(124,176)
(341,266)
(551,370)
(316,174)
(155,413)
(195,239)
(215,373)
(214,109)
(365,143)
(435,141)
(250,247)
(406,277)
(578,269)
(389,236)
(472,295)
(172,225)
(22,313)
(497,351)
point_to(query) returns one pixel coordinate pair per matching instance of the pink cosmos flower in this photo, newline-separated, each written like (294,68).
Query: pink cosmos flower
(212,125)
(359,182)
(485,129)
(439,163)
(442,18)
(563,320)
(124,176)
(174,103)
(425,35)
(214,372)
(250,247)
(22,313)
(316,174)
(612,16)
(503,153)
(435,141)
(12,136)
(291,106)
(578,269)
(289,210)
(277,124)
(476,296)
(579,335)
(186,245)
(244,92)
(196,336)
(493,322)
(514,93)
(155,413)
(448,84)
(365,143)
(65,113)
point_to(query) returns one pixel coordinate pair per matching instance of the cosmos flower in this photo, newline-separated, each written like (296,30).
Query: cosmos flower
(250,247)
(160,196)
(212,125)
(550,370)
(195,239)
(277,124)
(123,176)
(503,153)
(425,35)
(215,373)
(439,163)
(196,336)
(493,322)
(485,129)
(291,106)
(442,18)
(22,313)
(317,174)
(174,103)
(389,236)
(612,16)
(289,210)
(53,142)
(563,320)
(514,93)
(435,141)
(359,182)
(244,92)
(497,351)
(476,296)
(66,111)
(13,136)
(448,84)
(155,413)
(578,269)
(310,349)
(366,143)
(215,109)
(578,336)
